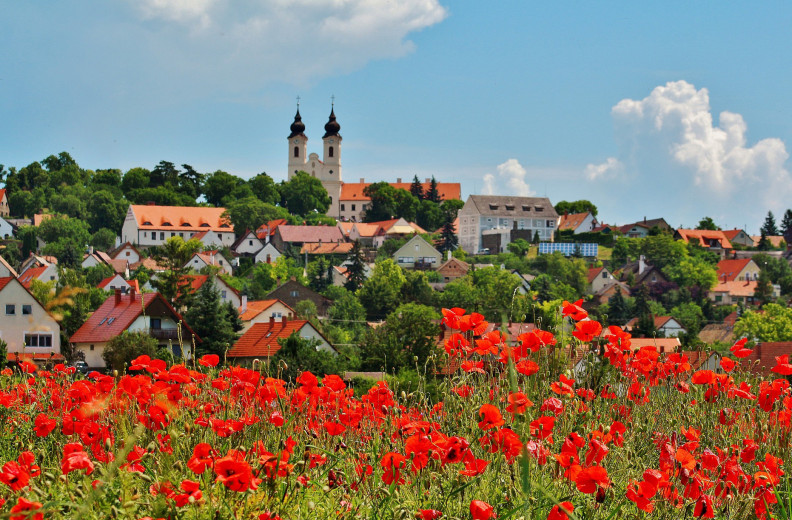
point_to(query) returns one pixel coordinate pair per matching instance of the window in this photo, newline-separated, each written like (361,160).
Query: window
(293,294)
(406,260)
(10,309)
(330,152)
(604,274)
(91,347)
(551,223)
(526,208)
(296,151)
(343,208)
(156,323)
(127,253)
(223,294)
(27,309)
(250,242)
(353,207)
(38,340)
(509,207)
(219,236)
(162,235)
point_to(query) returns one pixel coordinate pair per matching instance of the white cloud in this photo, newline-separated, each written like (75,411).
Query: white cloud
(609,169)
(246,45)
(510,180)
(674,157)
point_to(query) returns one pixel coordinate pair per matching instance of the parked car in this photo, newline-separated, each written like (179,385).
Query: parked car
(81,366)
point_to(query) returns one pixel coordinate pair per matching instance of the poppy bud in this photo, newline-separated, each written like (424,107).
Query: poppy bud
(600,495)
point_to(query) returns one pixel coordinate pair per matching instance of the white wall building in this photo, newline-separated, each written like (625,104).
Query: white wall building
(153,225)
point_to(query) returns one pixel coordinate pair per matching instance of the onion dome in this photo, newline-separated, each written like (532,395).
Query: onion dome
(298,127)
(332,127)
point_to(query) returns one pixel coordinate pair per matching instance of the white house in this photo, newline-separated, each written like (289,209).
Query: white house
(492,222)
(6,229)
(127,252)
(268,254)
(153,225)
(417,253)
(577,222)
(26,327)
(4,209)
(599,278)
(115,282)
(209,258)
(47,273)
(248,244)
(260,311)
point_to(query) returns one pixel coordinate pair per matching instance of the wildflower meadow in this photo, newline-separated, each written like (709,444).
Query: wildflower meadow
(512,432)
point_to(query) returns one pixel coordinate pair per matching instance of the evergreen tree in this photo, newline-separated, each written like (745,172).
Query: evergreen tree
(212,321)
(617,309)
(448,237)
(416,188)
(769,227)
(764,243)
(536,237)
(764,289)
(356,268)
(432,193)
(786,222)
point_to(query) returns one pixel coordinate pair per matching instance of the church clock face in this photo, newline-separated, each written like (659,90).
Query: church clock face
(331,141)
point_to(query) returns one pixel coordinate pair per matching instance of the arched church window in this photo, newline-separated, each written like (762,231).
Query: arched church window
(296,151)
(330,152)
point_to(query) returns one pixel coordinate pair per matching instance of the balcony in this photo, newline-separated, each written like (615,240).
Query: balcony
(164,334)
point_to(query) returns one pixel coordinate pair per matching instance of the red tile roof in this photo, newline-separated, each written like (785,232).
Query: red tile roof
(325,248)
(112,318)
(4,281)
(27,277)
(704,237)
(593,273)
(270,226)
(181,218)
(732,233)
(256,307)
(2,193)
(762,357)
(729,269)
(261,340)
(354,190)
(309,233)
(659,322)
(745,289)
(775,240)
(572,221)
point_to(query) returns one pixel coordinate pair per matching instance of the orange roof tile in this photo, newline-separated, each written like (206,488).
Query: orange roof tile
(2,193)
(354,190)
(775,240)
(181,218)
(309,233)
(367,229)
(594,273)
(572,220)
(256,307)
(704,237)
(148,263)
(33,273)
(324,248)
(272,225)
(261,340)
(4,281)
(736,288)
(729,269)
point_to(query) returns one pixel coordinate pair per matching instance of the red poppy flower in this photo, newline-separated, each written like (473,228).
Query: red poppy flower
(542,428)
(574,310)
(393,463)
(783,367)
(26,510)
(739,350)
(451,317)
(235,473)
(202,458)
(703,507)
(561,511)
(587,330)
(590,479)
(481,510)
(44,425)
(75,458)
(473,322)
(490,417)
(209,360)
(727,364)
(428,514)
(518,403)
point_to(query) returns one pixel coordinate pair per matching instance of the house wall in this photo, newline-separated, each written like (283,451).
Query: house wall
(92,353)
(602,280)
(6,229)
(5,211)
(585,226)
(672,329)
(277,310)
(13,327)
(90,261)
(308,332)
(269,249)
(154,237)
(250,245)
(128,254)
(417,250)
(472,224)
(750,272)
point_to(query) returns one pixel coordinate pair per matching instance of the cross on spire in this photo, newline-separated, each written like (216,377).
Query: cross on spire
(298,102)
(332,101)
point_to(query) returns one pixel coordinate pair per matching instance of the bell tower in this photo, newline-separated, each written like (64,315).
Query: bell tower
(298,145)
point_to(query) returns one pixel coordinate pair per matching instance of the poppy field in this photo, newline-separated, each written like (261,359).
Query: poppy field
(515,433)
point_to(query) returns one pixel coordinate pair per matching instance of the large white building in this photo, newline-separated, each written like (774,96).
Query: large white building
(492,222)
(149,225)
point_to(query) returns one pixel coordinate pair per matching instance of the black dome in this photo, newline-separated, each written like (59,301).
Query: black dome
(332,127)
(298,127)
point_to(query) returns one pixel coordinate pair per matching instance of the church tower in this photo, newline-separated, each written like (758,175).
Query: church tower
(298,146)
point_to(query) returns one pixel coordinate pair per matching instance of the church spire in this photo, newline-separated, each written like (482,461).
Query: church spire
(332,127)
(297,127)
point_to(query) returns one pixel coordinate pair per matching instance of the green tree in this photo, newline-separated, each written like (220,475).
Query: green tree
(251,213)
(578,206)
(211,321)
(690,316)
(662,250)
(304,194)
(408,337)
(320,274)
(174,255)
(764,289)
(769,227)
(103,239)
(348,313)
(618,311)
(772,323)
(416,188)
(298,355)
(106,211)
(764,243)
(135,179)
(265,188)
(191,182)
(221,188)
(786,222)
(708,224)
(122,349)
(356,268)
(381,293)
(448,236)
(306,310)
(519,247)
(692,272)
(432,194)
(66,239)
(416,288)
(383,202)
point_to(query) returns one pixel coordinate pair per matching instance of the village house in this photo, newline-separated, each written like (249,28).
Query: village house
(598,278)
(763,356)
(340,273)
(292,292)
(5,211)
(738,237)
(213,258)
(642,273)
(6,229)
(148,313)
(668,326)
(268,254)
(27,328)
(452,269)
(6,269)
(150,225)
(260,341)
(488,223)
(609,291)
(126,251)
(295,236)
(248,244)
(114,282)
(712,240)
(47,273)
(738,269)
(735,292)
(260,311)
(417,253)
(641,229)
(194,282)
(94,258)
(577,222)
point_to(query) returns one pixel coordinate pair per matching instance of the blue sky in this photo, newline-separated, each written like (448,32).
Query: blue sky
(679,110)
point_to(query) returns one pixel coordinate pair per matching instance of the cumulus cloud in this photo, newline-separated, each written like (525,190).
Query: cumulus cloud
(670,143)
(293,41)
(510,180)
(606,170)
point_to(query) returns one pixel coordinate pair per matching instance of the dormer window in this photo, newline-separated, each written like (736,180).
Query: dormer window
(147,223)
(205,225)
(493,207)
(509,207)
(185,224)
(526,208)
(539,208)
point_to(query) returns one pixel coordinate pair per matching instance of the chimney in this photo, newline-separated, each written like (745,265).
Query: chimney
(428,179)
(644,220)
(284,320)
(272,320)
(132,293)
(244,304)
(362,180)
(398,180)
(641,264)
(118,296)
(90,250)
